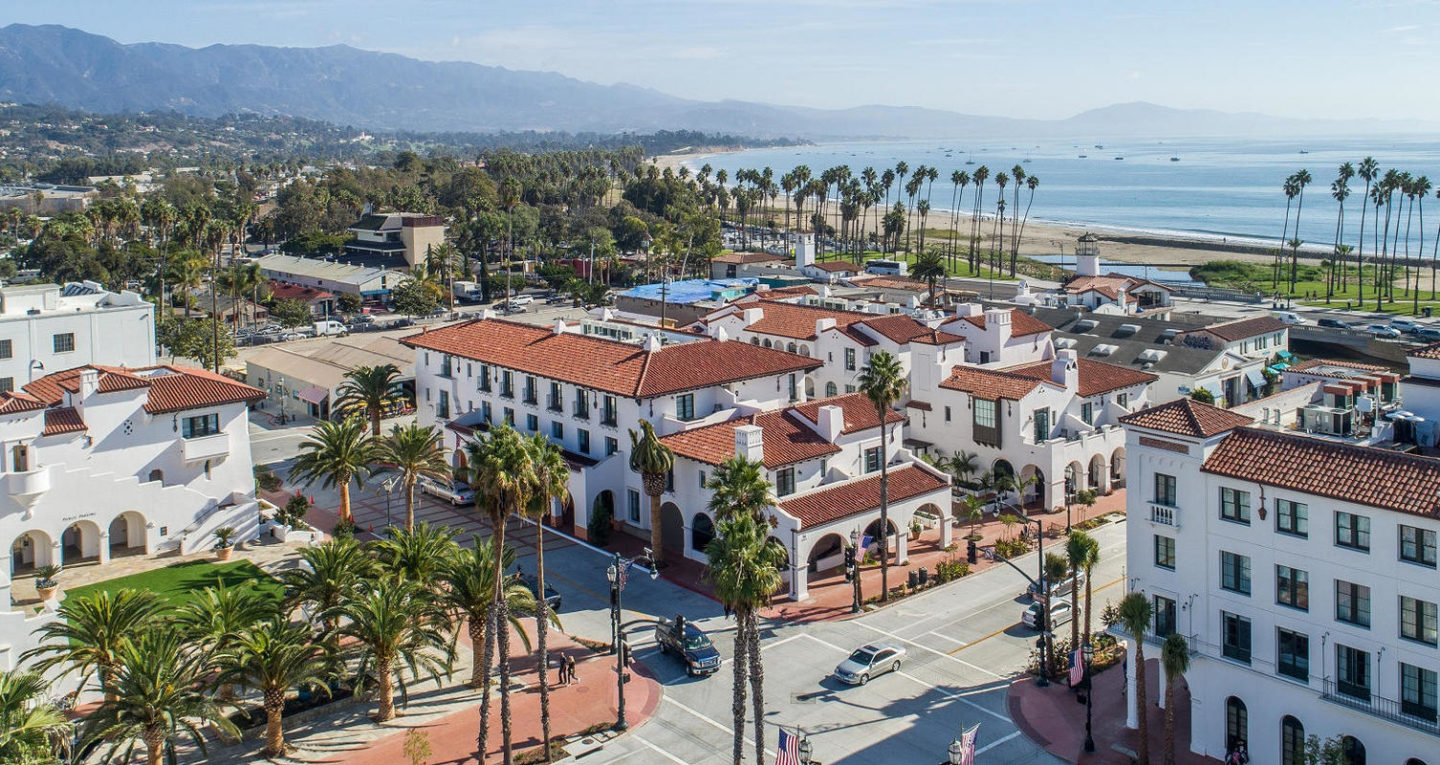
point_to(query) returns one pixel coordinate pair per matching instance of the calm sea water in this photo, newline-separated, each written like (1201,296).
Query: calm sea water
(1217,188)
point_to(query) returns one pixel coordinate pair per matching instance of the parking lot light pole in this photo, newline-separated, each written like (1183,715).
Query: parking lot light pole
(616,574)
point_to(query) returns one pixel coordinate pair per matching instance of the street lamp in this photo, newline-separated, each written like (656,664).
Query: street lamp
(389,487)
(855,555)
(956,751)
(616,573)
(1087,652)
(806,751)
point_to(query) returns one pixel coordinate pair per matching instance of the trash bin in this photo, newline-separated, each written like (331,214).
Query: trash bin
(970,551)
(913,579)
(924,576)
(1428,311)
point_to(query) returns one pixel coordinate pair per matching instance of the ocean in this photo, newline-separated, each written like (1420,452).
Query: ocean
(1218,188)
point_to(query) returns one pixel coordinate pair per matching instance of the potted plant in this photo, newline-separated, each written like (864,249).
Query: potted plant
(224,544)
(915,528)
(46,582)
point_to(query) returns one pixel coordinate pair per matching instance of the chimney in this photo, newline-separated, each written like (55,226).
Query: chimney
(752,315)
(652,343)
(998,321)
(487,314)
(720,333)
(750,442)
(559,326)
(89,383)
(823,324)
(831,420)
(968,309)
(1065,369)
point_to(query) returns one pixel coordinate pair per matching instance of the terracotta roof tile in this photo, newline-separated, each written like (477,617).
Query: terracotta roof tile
(1360,474)
(837,267)
(990,384)
(1232,331)
(859,413)
(798,290)
(1109,285)
(1431,351)
(179,388)
(901,328)
(1307,366)
(285,291)
(1096,377)
(798,321)
(1187,417)
(12,402)
(52,387)
(63,419)
(621,368)
(786,440)
(745,257)
(894,283)
(1021,324)
(860,496)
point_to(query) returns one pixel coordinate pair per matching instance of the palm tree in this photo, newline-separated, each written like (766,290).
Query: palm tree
(335,454)
(1368,168)
(1077,547)
(980,175)
(929,267)
(159,698)
(417,554)
(368,391)
(273,657)
(396,625)
(1135,615)
(1032,182)
(1290,191)
(739,486)
(29,724)
(552,480)
(214,620)
(964,464)
(413,451)
(468,577)
(1175,657)
(327,576)
(653,461)
(92,633)
(1340,191)
(883,382)
(1302,179)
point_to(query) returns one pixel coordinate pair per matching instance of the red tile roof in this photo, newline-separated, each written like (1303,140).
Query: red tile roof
(798,290)
(990,384)
(1360,474)
(837,267)
(621,368)
(1096,377)
(1307,366)
(901,328)
(52,387)
(12,402)
(62,419)
(745,257)
(1232,331)
(798,321)
(894,283)
(284,291)
(171,388)
(1021,323)
(1187,417)
(1108,285)
(786,440)
(859,413)
(1431,351)
(861,496)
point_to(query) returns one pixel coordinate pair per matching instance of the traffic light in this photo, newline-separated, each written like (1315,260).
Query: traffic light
(849,564)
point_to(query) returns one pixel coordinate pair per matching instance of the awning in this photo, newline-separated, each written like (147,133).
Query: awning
(314,394)
(1256,377)
(1215,389)
(1284,355)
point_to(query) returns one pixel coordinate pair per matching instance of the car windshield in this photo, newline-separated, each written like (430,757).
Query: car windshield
(695,641)
(862,656)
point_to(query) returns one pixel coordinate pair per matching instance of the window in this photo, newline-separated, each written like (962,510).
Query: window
(442,408)
(1292,587)
(702,479)
(984,413)
(872,459)
(849,359)
(556,402)
(531,395)
(947,414)
(1292,518)
(1087,413)
(1352,671)
(1237,723)
(849,388)
(1042,425)
(485,412)
(204,425)
(1352,531)
(1165,552)
(7,349)
(1292,654)
(1417,620)
(831,389)
(509,416)
(1235,506)
(557,430)
(1122,399)
(608,413)
(1417,546)
(794,390)
(483,384)
(1235,637)
(63,342)
(507,384)
(582,441)
(1164,610)
(632,498)
(447,366)
(20,458)
(611,446)
(1417,691)
(7,384)
(582,404)
(685,407)
(1235,572)
(1352,603)
(1292,742)
(532,423)
(1165,489)
(785,482)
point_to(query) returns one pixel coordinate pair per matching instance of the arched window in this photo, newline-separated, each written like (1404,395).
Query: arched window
(1292,741)
(831,389)
(702,530)
(1353,749)
(754,341)
(792,348)
(1414,761)
(1237,723)
(767,342)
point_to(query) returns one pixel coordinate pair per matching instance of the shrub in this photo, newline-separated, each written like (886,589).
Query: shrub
(47,575)
(1010,548)
(266,479)
(950,569)
(344,529)
(1109,615)
(294,511)
(599,526)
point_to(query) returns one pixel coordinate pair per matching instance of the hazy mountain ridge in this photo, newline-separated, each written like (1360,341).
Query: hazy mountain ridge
(386,91)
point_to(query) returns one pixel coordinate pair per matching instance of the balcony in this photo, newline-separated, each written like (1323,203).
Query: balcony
(26,487)
(207,447)
(1165,515)
(1409,715)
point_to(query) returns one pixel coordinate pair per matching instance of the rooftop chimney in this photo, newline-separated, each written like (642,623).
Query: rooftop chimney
(831,420)
(752,315)
(804,250)
(652,343)
(823,324)
(750,442)
(1065,369)
(89,383)
(559,326)
(968,309)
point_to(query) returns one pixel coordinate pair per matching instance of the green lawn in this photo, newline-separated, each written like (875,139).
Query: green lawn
(178,583)
(1310,286)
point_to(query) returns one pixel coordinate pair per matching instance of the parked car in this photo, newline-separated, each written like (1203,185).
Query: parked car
(552,598)
(870,661)
(1060,613)
(1288,317)
(1383,330)
(1062,588)
(1428,334)
(520,301)
(454,492)
(1329,323)
(679,637)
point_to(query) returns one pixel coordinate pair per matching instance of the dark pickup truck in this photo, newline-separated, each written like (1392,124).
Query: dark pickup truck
(690,643)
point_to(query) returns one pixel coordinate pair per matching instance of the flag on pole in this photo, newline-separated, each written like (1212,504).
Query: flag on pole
(1077,668)
(788,751)
(624,573)
(967,745)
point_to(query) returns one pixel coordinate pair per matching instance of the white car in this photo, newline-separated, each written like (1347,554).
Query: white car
(1406,326)
(1060,613)
(454,492)
(869,661)
(1383,330)
(522,300)
(1288,317)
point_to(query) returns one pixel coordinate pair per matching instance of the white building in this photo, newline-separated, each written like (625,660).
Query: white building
(1258,337)
(587,393)
(1302,571)
(1110,293)
(99,462)
(371,284)
(46,328)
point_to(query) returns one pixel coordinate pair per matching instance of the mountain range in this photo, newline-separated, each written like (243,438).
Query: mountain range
(383,91)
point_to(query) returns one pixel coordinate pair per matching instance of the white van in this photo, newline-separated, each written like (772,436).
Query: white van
(1288,317)
(887,267)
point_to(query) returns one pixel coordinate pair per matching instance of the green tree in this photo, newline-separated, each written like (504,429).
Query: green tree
(334,454)
(653,461)
(192,338)
(552,480)
(413,452)
(1135,615)
(929,267)
(396,625)
(1203,395)
(30,725)
(369,391)
(883,382)
(1077,548)
(215,619)
(414,298)
(349,302)
(327,577)
(739,486)
(291,313)
(416,554)
(1175,657)
(468,577)
(272,657)
(92,632)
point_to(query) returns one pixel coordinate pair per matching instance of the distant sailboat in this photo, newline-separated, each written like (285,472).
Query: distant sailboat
(1174,159)
(1083,156)
(970,160)
(1119,158)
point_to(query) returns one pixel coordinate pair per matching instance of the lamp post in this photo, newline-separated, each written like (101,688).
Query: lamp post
(855,571)
(806,751)
(1087,653)
(616,573)
(956,752)
(389,487)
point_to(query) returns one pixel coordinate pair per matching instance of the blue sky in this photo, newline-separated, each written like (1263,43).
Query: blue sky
(1023,58)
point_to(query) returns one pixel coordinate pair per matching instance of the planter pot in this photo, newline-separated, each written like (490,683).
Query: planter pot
(47,593)
(223,553)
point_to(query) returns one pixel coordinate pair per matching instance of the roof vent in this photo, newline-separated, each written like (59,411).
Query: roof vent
(1084,325)
(1126,330)
(1103,349)
(1064,342)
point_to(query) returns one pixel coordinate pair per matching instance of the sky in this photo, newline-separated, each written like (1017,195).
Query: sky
(1046,59)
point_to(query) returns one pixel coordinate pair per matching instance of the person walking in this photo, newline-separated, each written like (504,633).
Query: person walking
(570,670)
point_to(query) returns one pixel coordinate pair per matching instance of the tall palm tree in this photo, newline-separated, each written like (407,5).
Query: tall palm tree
(1088,562)
(552,480)
(1367,170)
(1302,179)
(979,176)
(1340,191)
(653,461)
(1077,547)
(396,625)
(929,267)
(92,633)
(739,486)
(368,391)
(334,454)
(328,576)
(1290,190)
(1135,615)
(883,382)
(417,554)
(1175,657)
(413,451)
(273,657)
(160,697)
(468,593)
(30,725)
(1032,182)
(214,620)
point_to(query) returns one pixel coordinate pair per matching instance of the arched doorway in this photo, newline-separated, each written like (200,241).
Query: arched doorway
(783,565)
(672,529)
(604,504)
(1034,479)
(702,530)
(1117,469)
(127,535)
(826,554)
(29,550)
(157,475)
(80,543)
(809,387)
(1074,478)
(1354,750)
(1292,741)
(1098,475)
(1237,723)
(873,532)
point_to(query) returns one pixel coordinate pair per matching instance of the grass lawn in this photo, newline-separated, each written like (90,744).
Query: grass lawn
(178,583)
(1310,286)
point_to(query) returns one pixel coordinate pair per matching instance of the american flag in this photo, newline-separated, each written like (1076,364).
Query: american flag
(624,573)
(967,745)
(1077,669)
(788,752)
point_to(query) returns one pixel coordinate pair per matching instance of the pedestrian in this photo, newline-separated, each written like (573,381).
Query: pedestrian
(570,670)
(560,670)
(727,609)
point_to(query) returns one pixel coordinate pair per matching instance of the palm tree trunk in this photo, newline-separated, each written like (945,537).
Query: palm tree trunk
(386,691)
(657,543)
(1140,700)
(1170,721)
(757,682)
(502,636)
(410,504)
(375,419)
(1074,623)
(154,745)
(274,731)
(478,663)
(345,501)
(542,619)
(1088,593)
(737,701)
(484,681)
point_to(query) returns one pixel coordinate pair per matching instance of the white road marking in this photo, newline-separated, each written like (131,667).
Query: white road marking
(727,728)
(941,654)
(994,744)
(660,751)
(943,636)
